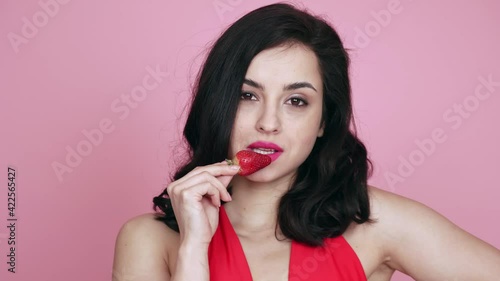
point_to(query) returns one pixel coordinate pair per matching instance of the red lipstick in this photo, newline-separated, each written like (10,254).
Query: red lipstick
(271,149)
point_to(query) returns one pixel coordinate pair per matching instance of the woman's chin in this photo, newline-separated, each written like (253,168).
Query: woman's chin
(264,176)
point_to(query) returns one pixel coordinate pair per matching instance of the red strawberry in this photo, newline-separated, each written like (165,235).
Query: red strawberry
(249,161)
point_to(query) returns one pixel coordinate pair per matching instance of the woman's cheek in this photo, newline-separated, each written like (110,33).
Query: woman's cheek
(308,137)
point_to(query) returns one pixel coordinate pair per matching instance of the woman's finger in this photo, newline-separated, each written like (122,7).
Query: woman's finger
(206,177)
(197,192)
(216,170)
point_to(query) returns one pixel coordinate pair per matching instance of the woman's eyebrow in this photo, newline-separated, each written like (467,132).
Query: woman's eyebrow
(287,87)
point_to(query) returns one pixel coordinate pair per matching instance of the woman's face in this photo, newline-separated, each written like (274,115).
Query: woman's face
(280,110)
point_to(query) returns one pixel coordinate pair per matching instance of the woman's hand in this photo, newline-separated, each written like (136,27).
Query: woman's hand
(196,200)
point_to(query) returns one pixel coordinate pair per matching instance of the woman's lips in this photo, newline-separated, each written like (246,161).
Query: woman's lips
(275,155)
(267,145)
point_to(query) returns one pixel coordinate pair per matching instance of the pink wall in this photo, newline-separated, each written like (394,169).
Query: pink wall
(68,67)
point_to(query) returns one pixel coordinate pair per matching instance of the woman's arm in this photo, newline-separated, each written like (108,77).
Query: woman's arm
(192,264)
(427,246)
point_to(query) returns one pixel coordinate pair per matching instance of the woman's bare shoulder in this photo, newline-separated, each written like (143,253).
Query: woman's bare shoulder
(146,226)
(422,243)
(142,248)
(149,220)
(393,213)
(386,205)
(380,198)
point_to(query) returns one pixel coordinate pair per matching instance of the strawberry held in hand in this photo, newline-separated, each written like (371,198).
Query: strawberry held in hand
(249,161)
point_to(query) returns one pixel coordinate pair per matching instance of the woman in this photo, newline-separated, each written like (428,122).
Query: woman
(276,82)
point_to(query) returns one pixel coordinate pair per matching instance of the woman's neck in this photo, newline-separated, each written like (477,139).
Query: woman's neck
(253,210)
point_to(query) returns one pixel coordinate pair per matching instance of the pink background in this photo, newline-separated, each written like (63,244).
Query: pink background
(65,77)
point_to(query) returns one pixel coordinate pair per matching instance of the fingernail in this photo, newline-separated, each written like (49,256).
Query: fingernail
(234,167)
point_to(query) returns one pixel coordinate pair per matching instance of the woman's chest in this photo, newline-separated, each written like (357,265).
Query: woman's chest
(274,260)
(267,260)
(271,260)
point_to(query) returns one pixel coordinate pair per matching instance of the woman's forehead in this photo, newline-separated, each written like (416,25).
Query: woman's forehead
(281,66)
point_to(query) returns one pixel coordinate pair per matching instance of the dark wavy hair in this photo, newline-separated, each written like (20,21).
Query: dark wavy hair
(329,190)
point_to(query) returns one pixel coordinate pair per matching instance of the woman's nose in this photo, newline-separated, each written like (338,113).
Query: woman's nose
(268,121)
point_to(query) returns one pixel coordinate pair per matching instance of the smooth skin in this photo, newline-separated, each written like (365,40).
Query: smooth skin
(408,236)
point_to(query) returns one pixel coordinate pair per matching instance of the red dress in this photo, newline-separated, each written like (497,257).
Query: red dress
(336,261)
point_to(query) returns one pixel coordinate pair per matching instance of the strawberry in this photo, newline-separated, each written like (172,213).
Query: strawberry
(249,162)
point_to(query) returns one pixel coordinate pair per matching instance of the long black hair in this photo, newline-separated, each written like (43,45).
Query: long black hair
(329,190)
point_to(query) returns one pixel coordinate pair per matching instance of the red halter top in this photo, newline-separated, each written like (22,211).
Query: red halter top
(336,261)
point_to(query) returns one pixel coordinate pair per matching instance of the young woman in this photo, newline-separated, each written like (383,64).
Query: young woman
(277,82)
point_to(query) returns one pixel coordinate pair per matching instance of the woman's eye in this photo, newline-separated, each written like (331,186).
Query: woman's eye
(247,96)
(298,102)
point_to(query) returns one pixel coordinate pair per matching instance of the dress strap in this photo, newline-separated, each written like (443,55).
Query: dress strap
(226,257)
(336,260)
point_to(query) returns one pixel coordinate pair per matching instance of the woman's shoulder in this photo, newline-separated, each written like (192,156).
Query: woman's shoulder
(382,200)
(150,223)
(146,226)
(414,237)
(392,212)
(144,244)
(393,216)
